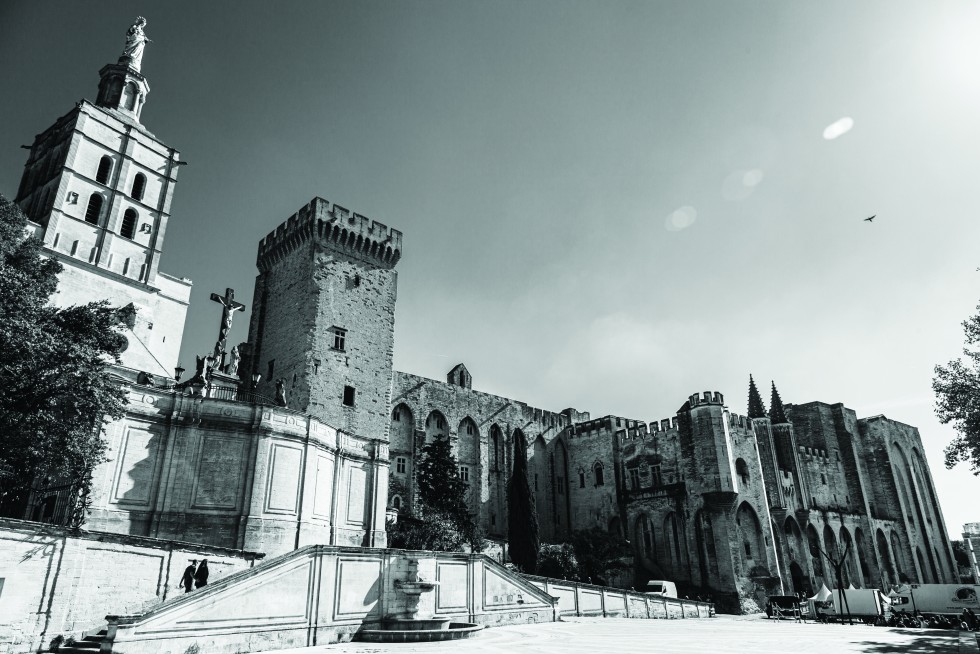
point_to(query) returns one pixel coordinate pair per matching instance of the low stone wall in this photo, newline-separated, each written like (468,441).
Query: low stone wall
(576,598)
(53,582)
(322,594)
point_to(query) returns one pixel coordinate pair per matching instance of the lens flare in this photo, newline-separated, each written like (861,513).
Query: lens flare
(681,218)
(752,177)
(838,128)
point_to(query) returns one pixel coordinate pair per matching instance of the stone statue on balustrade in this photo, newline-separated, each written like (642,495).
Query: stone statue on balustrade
(281,393)
(202,375)
(236,359)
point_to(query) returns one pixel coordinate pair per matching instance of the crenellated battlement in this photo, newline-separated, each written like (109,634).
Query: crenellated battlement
(336,227)
(736,421)
(706,398)
(665,425)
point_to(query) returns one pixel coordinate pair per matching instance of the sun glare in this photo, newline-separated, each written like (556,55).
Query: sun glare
(838,128)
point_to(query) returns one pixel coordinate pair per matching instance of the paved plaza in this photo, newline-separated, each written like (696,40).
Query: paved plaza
(722,634)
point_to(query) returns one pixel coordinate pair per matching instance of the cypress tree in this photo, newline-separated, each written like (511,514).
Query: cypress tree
(440,487)
(522,520)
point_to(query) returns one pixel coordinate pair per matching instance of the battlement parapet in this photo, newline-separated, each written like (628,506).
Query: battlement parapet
(706,398)
(546,417)
(639,432)
(665,425)
(336,227)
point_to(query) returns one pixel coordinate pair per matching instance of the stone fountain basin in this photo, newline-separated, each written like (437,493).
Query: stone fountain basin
(415,587)
(434,623)
(453,631)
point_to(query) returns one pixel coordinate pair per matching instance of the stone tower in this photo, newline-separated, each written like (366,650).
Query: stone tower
(323,316)
(98,187)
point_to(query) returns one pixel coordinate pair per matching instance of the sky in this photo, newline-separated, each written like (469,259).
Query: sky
(605,205)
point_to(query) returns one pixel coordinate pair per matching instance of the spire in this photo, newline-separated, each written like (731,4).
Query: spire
(123,87)
(756,408)
(776,414)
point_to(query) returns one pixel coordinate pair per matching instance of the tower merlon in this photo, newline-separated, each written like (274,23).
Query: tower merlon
(707,397)
(353,233)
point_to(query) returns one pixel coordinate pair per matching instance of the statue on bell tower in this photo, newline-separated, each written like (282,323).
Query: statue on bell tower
(136,40)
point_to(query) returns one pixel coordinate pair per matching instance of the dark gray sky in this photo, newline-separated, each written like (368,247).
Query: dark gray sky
(606,205)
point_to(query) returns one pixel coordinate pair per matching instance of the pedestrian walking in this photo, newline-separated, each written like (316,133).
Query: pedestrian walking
(187,581)
(201,576)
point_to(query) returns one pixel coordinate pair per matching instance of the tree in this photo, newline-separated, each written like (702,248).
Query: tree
(838,560)
(522,519)
(56,394)
(440,520)
(440,486)
(426,529)
(957,389)
(557,561)
(598,552)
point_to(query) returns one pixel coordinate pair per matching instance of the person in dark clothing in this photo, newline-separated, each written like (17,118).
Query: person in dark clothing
(187,581)
(201,576)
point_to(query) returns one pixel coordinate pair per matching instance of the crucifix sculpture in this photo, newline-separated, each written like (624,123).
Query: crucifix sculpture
(228,309)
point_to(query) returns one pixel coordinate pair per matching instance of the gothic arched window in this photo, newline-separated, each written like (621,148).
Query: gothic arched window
(105,167)
(742,470)
(139,184)
(128,229)
(94,209)
(597,471)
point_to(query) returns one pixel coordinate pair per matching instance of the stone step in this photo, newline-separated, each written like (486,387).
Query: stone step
(87,645)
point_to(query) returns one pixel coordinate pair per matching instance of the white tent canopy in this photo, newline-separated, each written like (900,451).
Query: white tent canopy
(823,594)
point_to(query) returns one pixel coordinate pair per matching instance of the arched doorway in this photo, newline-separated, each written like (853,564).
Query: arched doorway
(847,555)
(752,543)
(798,578)
(816,558)
(884,555)
(562,493)
(922,566)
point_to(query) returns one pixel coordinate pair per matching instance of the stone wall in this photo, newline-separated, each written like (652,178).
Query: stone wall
(238,475)
(480,427)
(58,583)
(322,594)
(326,315)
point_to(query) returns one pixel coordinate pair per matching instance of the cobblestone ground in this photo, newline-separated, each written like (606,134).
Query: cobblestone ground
(723,634)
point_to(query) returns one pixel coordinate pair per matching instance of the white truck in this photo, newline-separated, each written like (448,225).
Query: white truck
(948,599)
(661,588)
(859,603)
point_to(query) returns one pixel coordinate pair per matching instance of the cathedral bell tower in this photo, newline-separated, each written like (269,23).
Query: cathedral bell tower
(97,188)
(123,87)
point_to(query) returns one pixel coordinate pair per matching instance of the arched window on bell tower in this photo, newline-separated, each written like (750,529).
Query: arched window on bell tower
(94,209)
(105,167)
(139,184)
(129,96)
(128,229)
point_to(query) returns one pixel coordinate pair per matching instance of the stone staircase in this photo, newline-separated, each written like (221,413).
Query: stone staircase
(89,644)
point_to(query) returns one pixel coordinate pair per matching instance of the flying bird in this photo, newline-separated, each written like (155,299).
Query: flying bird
(871,219)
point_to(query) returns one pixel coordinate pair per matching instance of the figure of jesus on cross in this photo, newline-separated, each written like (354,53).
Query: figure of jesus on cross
(228,309)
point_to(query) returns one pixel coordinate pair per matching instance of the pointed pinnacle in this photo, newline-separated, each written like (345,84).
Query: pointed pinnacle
(756,408)
(776,413)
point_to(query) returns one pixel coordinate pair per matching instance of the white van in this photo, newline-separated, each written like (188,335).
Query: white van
(661,588)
